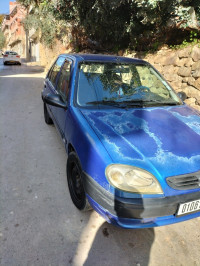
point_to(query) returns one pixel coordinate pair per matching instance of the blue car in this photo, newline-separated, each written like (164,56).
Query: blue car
(133,145)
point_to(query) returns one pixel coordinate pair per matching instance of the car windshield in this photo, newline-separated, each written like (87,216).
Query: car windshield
(122,85)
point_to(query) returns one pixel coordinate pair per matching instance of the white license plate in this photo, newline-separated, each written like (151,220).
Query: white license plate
(188,207)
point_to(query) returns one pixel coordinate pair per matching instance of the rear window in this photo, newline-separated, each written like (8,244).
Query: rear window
(10,53)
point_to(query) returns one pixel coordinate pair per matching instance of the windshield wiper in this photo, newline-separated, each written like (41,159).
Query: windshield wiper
(133,103)
(111,103)
(162,103)
(146,103)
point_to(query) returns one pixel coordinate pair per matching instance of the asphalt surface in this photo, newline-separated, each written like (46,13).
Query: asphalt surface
(39,224)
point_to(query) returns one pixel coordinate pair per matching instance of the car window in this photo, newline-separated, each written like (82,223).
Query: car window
(13,53)
(63,80)
(55,70)
(122,83)
(10,53)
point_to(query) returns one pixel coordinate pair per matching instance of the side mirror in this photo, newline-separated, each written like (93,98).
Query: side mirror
(54,99)
(182,95)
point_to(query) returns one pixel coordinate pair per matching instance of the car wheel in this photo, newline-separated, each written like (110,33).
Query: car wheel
(4,63)
(75,184)
(47,117)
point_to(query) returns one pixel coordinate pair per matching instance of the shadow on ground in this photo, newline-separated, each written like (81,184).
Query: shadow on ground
(101,243)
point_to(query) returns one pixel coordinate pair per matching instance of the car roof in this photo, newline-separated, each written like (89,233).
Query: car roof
(102,58)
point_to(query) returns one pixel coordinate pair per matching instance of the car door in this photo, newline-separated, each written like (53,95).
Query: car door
(51,82)
(62,88)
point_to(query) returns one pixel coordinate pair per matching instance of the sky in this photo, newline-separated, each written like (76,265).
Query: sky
(4,6)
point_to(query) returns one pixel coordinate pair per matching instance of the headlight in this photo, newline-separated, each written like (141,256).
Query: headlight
(132,179)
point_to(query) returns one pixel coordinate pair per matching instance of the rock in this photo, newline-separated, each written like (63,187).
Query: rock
(159,67)
(185,80)
(196,65)
(185,53)
(190,101)
(188,62)
(170,69)
(195,54)
(176,85)
(171,77)
(197,83)
(191,81)
(184,71)
(150,60)
(193,93)
(159,59)
(185,89)
(196,73)
(171,60)
(182,62)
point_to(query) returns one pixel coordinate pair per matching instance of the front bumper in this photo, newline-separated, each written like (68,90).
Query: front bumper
(136,212)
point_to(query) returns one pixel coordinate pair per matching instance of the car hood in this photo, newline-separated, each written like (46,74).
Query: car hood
(164,141)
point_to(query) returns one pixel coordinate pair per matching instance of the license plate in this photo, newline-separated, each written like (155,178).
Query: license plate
(188,207)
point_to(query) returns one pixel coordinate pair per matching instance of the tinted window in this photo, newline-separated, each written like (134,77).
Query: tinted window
(63,81)
(55,70)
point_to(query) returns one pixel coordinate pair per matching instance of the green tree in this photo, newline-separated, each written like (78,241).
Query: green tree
(124,22)
(2,40)
(1,18)
(118,24)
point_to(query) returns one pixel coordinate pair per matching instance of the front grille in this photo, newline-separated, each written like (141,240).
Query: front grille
(183,182)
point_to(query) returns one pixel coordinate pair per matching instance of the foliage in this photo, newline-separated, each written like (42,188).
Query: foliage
(192,40)
(1,18)
(42,20)
(118,24)
(28,3)
(2,40)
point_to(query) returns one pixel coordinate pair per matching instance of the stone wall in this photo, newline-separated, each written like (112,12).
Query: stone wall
(181,68)
(49,55)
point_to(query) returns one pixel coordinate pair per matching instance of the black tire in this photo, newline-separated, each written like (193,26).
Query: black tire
(5,63)
(75,184)
(47,117)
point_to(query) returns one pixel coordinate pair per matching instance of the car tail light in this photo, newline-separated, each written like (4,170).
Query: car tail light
(5,55)
(18,56)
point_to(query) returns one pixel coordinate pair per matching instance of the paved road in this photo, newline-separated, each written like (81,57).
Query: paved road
(39,224)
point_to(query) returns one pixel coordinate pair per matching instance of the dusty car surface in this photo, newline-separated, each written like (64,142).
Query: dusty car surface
(133,145)
(11,57)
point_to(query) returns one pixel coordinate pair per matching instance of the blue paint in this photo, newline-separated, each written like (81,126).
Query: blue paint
(155,135)
(176,137)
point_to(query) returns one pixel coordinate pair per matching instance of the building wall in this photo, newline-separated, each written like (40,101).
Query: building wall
(13,29)
(48,55)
